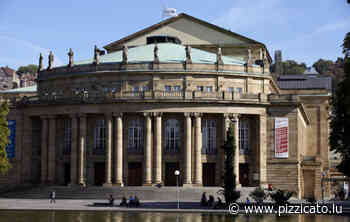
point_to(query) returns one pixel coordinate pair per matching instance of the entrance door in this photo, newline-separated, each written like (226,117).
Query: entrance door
(170,178)
(100,173)
(244,174)
(208,175)
(66,173)
(135,174)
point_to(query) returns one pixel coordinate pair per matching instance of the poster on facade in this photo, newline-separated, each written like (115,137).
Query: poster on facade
(11,147)
(281,137)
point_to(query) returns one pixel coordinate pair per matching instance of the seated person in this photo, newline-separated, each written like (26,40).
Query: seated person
(137,201)
(211,201)
(123,203)
(131,201)
(111,200)
(204,200)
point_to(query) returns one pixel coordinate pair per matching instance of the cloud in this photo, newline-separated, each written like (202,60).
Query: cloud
(28,50)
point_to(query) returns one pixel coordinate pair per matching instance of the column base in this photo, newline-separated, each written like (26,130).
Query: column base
(118,184)
(187,185)
(107,185)
(197,184)
(238,186)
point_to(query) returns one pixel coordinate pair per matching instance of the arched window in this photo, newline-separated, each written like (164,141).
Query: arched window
(244,136)
(100,137)
(172,135)
(209,136)
(135,139)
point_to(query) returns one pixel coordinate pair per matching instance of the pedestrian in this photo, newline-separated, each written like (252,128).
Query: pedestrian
(53,197)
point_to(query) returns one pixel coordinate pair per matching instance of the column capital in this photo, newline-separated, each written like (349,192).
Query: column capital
(82,115)
(196,114)
(157,114)
(187,114)
(147,114)
(118,114)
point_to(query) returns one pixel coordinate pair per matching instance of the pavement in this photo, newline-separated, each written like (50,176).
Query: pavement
(87,205)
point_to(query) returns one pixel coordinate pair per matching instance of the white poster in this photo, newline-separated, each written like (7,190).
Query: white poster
(281,137)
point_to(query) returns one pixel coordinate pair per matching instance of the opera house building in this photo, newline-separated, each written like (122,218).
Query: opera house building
(162,99)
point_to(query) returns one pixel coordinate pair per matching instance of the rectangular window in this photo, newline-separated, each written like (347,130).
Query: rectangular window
(167,88)
(100,137)
(239,90)
(209,89)
(67,136)
(136,89)
(230,89)
(177,88)
(145,88)
(244,136)
(135,137)
(209,136)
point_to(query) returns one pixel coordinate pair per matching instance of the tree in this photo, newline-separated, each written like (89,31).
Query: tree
(323,66)
(4,134)
(291,67)
(31,68)
(229,191)
(340,119)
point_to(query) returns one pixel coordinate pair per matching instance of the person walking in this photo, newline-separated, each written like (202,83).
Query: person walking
(53,197)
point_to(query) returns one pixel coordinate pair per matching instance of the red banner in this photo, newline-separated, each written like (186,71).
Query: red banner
(281,137)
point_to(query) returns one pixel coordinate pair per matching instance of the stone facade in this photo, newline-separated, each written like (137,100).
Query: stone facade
(92,124)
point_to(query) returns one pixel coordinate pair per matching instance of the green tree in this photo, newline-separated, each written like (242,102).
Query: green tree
(229,191)
(290,67)
(4,134)
(31,68)
(323,66)
(340,119)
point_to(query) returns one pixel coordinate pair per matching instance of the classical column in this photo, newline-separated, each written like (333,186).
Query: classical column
(82,151)
(226,122)
(118,151)
(188,149)
(52,150)
(158,148)
(73,150)
(148,150)
(198,150)
(263,150)
(108,167)
(235,121)
(44,134)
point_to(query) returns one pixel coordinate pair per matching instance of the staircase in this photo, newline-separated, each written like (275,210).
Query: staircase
(101,193)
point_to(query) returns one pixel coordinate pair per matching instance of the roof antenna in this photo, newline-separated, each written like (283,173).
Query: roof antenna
(168,12)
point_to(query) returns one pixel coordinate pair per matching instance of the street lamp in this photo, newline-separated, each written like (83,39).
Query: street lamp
(177,174)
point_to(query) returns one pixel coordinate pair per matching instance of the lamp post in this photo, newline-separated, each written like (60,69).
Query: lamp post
(177,174)
(322,184)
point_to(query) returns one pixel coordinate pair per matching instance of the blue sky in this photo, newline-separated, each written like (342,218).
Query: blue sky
(305,30)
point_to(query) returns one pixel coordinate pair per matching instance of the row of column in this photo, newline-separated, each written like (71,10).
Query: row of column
(78,140)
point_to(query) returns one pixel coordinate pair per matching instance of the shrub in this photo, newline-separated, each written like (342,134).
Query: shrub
(281,197)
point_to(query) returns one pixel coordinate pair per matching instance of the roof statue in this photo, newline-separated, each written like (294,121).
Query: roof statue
(51,59)
(125,54)
(96,55)
(219,56)
(70,54)
(188,54)
(249,61)
(155,51)
(41,58)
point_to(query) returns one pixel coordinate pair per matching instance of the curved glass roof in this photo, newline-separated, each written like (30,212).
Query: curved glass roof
(167,53)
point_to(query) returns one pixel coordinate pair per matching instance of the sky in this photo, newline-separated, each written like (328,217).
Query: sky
(305,30)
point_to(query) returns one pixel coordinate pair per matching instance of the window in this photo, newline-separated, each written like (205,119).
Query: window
(230,89)
(209,136)
(244,136)
(67,136)
(145,88)
(177,88)
(100,137)
(136,89)
(167,88)
(135,139)
(172,135)
(239,90)
(200,88)
(209,89)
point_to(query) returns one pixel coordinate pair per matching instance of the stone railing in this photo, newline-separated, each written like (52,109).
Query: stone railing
(95,97)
